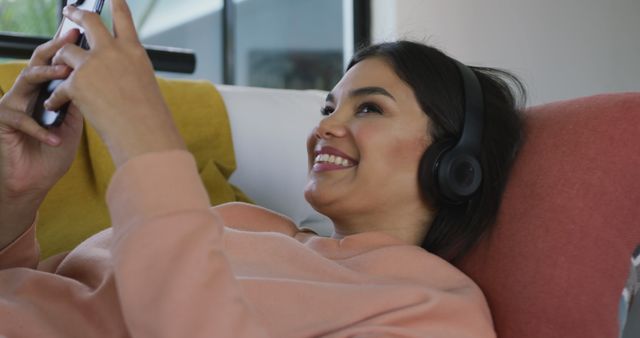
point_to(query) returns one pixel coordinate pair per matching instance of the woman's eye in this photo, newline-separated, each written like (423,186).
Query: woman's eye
(369,109)
(326,111)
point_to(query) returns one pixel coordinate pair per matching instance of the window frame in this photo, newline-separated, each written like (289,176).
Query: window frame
(177,60)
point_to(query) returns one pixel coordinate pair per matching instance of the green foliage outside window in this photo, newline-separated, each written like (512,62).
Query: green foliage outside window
(33,17)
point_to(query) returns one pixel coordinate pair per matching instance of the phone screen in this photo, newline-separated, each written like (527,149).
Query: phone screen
(49,118)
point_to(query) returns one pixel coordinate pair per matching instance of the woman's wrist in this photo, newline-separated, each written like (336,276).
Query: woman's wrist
(122,153)
(16,216)
(159,134)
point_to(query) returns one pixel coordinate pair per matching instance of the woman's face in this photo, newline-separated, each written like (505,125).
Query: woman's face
(364,154)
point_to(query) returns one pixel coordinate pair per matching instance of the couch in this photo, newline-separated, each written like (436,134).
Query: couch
(553,267)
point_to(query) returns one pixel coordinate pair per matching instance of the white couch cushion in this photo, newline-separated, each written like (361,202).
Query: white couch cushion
(269,129)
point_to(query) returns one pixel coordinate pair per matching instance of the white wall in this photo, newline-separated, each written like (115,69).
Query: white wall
(560,48)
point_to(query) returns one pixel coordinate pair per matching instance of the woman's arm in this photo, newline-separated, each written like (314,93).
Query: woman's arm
(173,277)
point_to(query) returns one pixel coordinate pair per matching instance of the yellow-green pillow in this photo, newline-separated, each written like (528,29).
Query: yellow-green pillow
(75,208)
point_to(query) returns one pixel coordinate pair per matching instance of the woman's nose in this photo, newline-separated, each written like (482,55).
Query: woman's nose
(331,126)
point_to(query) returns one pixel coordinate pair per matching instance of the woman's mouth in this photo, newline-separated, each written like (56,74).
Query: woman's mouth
(329,158)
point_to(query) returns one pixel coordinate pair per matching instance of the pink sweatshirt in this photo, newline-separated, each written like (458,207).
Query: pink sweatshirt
(171,266)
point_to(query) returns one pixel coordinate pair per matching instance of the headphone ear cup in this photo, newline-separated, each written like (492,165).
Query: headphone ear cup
(448,174)
(459,175)
(428,170)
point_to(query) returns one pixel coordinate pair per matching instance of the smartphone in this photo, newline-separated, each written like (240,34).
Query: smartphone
(49,118)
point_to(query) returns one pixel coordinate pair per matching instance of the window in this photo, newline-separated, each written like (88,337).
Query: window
(33,17)
(268,43)
(190,24)
(288,43)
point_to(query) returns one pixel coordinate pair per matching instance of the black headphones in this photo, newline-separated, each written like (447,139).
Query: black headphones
(450,170)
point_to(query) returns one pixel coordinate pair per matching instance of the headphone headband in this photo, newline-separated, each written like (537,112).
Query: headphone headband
(471,134)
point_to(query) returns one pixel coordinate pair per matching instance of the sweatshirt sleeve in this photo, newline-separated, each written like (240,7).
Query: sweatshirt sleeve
(170,268)
(24,252)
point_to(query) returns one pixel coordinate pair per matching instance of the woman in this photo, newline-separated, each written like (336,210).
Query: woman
(171,266)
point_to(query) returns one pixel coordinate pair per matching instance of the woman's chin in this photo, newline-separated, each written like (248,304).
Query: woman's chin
(318,200)
(311,196)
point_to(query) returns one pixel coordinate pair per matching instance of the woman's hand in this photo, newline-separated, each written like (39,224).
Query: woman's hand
(114,87)
(32,159)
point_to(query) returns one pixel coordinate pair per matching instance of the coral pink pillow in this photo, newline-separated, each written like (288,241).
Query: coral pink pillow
(559,256)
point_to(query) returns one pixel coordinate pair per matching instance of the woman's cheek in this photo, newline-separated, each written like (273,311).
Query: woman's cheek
(397,147)
(311,145)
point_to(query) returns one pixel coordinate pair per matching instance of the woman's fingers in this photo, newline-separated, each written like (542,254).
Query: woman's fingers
(32,77)
(70,55)
(59,97)
(39,74)
(123,25)
(25,124)
(95,31)
(74,57)
(38,71)
(43,53)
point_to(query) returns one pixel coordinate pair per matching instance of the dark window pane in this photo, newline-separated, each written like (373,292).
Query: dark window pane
(295,44)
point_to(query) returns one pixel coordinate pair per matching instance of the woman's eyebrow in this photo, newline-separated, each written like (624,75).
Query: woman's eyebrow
(371,91)
(363,92)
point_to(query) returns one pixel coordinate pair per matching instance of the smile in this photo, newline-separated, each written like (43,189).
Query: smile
(329,158)
(333,159)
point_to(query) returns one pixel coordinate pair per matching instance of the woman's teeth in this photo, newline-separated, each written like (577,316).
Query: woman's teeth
(333,159)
